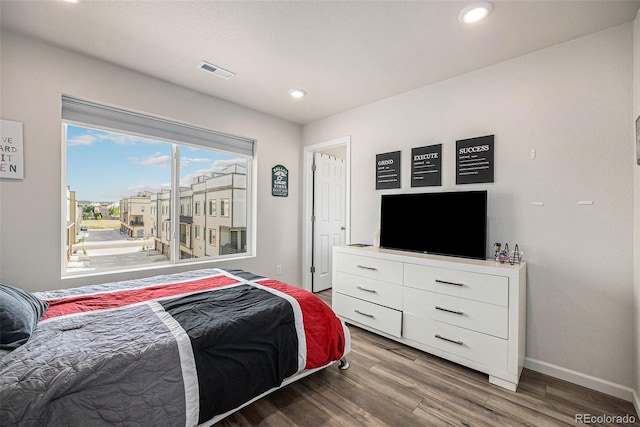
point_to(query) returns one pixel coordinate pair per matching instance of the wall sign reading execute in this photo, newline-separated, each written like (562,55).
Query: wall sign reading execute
(388,170)
(426,166)
(474,160)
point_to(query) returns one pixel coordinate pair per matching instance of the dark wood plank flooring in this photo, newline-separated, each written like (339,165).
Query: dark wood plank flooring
(390,384)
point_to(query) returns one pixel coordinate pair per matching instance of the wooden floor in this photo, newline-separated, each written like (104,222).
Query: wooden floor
(390,384)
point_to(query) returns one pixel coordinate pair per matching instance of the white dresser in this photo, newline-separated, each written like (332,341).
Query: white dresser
(472,312)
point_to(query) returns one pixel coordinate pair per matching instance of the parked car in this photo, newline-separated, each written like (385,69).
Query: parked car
(83,228)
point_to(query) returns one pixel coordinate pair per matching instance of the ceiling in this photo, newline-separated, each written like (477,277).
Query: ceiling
(345,54)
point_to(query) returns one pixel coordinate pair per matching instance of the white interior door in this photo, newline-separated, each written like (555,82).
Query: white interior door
(329,185)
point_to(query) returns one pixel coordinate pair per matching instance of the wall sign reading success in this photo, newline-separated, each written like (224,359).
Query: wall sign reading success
(388,170)
(11,150)
(474,160)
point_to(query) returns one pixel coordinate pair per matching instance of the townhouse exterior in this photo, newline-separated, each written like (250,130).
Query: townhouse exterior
(135,215)
(213,215)
(73,222)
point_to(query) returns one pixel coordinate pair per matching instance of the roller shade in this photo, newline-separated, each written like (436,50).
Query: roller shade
(90,113)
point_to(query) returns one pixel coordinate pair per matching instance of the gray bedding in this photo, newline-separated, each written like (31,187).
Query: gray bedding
(49,381)
(134,364)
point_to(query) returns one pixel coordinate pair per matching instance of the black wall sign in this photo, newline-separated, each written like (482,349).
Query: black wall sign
(388,170)
(426,166)
(474,160)
(279,181)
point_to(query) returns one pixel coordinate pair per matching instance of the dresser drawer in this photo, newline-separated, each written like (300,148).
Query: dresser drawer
(476,316)
(475,286)
(477,347)
(372,268)
(382,293)
(375,316)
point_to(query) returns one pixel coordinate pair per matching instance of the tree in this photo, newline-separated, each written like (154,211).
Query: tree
(87,212)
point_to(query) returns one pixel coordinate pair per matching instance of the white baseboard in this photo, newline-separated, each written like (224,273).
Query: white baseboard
(594,383)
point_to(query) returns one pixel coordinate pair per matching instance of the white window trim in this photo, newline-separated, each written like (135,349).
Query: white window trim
(78,115)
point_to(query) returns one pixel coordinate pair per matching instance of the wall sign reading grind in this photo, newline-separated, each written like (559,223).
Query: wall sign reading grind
(388,170)
(426,166)
(474,160)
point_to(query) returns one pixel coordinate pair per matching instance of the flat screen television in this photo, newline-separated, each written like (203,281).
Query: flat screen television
(449,223)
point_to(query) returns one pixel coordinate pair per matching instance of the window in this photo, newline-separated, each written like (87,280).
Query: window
(159,172)
(224,207)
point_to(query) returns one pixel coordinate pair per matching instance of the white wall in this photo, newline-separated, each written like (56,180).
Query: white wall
(573,104)
(35,75)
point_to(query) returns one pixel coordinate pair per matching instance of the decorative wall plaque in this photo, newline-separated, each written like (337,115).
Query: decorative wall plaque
(474,160)
(426,166)
(11,150)
(279,181)
(388,170)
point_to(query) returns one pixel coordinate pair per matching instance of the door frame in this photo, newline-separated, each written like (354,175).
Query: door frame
(307,208)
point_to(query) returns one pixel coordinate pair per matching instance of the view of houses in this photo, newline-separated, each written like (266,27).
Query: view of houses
(212,217)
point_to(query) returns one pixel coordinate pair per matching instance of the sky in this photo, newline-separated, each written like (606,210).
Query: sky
(105,166)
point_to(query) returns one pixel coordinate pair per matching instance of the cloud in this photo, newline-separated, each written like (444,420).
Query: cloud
(216,166)
(129,191)
(219,165)
(122,139)
(156,160)
(84,139)
(186,161)
(90,136)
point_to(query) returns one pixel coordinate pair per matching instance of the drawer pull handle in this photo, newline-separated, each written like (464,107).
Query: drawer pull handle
(449,311)
(364,314)
(373,291)
(449,283)
(367,268)
(450,340)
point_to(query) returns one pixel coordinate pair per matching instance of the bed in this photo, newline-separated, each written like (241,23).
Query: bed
(181,349)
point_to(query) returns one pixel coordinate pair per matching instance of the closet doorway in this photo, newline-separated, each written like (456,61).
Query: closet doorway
(326,209)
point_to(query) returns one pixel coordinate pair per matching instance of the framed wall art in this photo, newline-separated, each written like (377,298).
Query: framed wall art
(11,150)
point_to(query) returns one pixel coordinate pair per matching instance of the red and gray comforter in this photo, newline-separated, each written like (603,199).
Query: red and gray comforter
(170,350)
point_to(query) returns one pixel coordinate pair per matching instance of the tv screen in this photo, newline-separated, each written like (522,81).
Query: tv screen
(451,223)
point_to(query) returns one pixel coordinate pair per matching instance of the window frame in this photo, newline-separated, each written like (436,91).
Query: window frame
(225,213)
(174,208)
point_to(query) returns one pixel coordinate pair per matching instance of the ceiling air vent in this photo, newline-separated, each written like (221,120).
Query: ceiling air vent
(218,71)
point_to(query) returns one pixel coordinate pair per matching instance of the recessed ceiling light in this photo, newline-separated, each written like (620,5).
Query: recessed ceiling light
(475,12)
(297,93)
